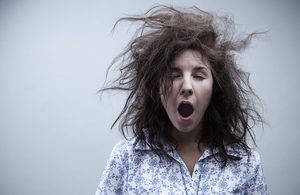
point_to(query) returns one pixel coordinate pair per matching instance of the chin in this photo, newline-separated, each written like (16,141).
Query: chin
(185,129)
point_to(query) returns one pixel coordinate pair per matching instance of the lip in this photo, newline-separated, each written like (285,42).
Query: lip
(185,118)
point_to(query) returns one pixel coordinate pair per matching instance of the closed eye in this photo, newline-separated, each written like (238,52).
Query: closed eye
(198,77)
(199,73)
(175,75)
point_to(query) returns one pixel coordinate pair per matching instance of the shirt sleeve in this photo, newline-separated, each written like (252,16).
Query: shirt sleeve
(114,174)
(256,183)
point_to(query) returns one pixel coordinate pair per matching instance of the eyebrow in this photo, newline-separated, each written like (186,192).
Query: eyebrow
(175,69)
(199,68)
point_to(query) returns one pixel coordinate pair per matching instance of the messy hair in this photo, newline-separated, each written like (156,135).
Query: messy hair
(145,66)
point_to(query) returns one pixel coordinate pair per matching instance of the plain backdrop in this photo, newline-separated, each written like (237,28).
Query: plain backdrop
(55,135)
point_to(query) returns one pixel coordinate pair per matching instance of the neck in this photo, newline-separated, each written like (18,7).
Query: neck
(185,138)
(191,136)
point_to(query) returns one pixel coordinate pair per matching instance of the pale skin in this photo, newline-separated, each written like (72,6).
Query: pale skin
(192,82)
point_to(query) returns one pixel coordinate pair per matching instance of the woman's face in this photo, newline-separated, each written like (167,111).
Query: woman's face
(188,98)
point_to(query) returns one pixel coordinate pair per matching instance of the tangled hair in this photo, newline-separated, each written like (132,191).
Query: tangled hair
(146,66)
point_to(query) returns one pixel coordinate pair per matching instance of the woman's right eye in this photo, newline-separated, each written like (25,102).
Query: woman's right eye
(175,75)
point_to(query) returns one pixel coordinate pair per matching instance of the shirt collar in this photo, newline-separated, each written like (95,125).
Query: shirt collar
(233,149)
(138,145)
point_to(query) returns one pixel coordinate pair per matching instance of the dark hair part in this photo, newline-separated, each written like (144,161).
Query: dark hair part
(146,65)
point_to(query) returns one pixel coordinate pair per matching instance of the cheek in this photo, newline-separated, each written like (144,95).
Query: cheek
(208,94)
(208,90)
(169,103)
(204,95)
(171,94)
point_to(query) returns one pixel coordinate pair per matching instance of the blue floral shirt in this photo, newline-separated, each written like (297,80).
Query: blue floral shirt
(135,169)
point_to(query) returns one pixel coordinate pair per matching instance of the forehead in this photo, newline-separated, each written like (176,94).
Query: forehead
(190,58)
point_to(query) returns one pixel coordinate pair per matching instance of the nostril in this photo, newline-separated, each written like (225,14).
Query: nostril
(186,92)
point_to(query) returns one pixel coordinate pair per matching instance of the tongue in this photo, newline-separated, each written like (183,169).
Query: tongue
(185,109)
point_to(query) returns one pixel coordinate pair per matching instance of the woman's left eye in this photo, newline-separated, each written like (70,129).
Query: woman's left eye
(198,77)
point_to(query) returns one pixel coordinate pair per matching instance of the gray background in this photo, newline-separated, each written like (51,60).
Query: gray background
(55,132)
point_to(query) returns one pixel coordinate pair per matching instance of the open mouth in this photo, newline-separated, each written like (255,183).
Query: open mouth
(185,109)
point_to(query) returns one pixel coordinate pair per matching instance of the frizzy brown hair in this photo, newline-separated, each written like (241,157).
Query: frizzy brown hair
(145,66)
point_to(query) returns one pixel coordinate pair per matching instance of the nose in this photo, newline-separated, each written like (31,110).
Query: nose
(186,89)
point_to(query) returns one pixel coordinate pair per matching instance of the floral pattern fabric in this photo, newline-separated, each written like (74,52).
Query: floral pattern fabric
(135,169)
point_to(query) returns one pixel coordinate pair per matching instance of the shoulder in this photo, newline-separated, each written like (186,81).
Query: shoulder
(116,169)
(236,150)
(254,158)
(250,161)
(123,145)
(254,164)
(123,148)
(251,169)
(117,163)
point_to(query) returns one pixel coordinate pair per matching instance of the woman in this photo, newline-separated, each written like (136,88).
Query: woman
(189,110)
